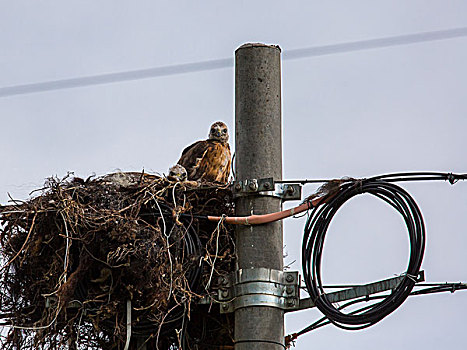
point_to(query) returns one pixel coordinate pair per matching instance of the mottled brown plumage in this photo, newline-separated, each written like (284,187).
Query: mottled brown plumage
(209,160)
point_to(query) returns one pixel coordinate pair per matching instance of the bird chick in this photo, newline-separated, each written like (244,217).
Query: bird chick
(177,173)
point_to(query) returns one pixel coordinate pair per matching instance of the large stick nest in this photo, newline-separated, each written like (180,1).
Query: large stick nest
(74,257)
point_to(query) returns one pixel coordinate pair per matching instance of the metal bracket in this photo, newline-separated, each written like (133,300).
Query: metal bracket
(267,187)
(260,287)
(359,291)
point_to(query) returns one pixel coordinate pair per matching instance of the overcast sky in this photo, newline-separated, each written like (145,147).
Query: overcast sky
(358,114)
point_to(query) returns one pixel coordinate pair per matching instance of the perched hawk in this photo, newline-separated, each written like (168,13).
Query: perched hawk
(209,160)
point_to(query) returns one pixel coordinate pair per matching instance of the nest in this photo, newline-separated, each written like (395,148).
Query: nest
(77,256)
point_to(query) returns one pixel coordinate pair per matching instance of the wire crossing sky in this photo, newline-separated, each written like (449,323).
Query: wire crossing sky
(228,62)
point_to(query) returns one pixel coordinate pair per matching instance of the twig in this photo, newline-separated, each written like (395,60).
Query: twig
(24,244)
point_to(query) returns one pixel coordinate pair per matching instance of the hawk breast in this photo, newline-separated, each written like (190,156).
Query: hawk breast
(207,160)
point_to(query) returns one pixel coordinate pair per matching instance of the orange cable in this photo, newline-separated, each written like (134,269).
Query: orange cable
(266,218)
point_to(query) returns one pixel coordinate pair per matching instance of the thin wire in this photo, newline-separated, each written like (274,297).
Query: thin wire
(79,324)
(266,341)
(173,195)
(167,236)
(128,324)
(222,63)
(394,177)
(67,249)
(218,229)
(40,327)
(301,181)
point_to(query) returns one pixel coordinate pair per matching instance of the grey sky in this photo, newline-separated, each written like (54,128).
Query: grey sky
(357,114)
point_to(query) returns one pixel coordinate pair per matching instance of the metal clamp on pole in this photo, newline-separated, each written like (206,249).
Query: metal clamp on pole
(267,187)
(260,287)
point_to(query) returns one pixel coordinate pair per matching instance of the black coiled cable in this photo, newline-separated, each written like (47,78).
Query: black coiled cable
(313,242)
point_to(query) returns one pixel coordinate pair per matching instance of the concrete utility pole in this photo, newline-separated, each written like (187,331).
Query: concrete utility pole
(258,148)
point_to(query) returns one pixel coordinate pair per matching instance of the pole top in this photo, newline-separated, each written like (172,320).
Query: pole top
(250,45)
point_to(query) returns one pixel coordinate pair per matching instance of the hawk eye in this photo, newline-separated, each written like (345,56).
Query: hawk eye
(224,131)
(213,130)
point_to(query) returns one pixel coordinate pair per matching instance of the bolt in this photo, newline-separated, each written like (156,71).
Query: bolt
(290,190)
(289,278)
(289,290)
(225,293)
(225,306)
(267,185)
(238,186)
(253,186)
(291,302)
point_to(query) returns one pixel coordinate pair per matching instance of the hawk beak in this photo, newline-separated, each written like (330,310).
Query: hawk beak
(218,133)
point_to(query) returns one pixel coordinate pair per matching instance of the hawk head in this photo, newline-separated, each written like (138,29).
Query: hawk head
(219,132)
(177,173)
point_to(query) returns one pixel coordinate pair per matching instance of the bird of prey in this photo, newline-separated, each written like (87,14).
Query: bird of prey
(209,160)
(177,173)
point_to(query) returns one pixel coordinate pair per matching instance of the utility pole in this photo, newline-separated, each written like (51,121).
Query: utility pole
(258,148)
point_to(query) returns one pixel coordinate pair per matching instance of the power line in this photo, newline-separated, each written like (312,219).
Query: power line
(201,66)
(376,43)
(116,77)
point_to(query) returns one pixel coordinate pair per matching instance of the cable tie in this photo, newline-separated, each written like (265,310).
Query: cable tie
(452,178)
(411,277)
(319,296)
(358,184)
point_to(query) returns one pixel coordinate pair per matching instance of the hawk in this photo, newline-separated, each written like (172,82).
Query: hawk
(177,173)
(209,160)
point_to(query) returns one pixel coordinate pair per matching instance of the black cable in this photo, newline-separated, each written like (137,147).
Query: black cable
(421,176)
(445,287)
(313,243)
(267,341)
(439,288)
(322,321)
(394,177)
(192,247)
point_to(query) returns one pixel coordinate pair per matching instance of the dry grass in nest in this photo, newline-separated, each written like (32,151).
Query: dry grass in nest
(74,255)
